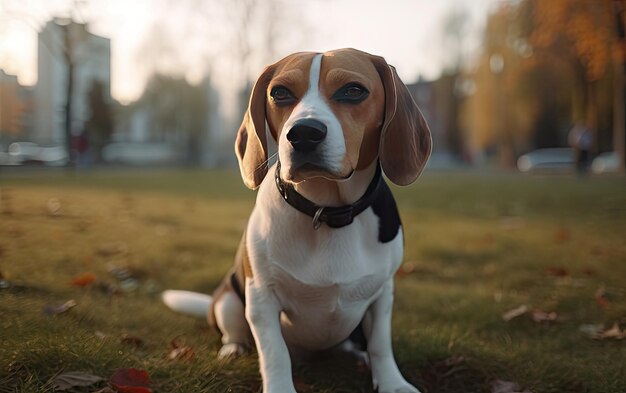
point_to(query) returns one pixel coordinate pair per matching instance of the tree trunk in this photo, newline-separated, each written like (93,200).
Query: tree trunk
(591,115)
(67,50)
(619,129)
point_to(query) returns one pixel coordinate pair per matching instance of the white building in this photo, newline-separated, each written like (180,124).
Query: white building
(91,56)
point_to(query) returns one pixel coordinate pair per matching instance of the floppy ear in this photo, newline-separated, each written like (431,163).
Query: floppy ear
(405,141)
(251,142)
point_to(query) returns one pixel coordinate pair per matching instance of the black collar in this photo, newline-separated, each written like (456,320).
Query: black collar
(334,217)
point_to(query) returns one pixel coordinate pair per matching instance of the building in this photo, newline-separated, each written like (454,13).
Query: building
(90,55)
(15,109)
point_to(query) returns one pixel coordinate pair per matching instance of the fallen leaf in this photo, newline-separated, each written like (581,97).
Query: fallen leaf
(83,280)
(110,249)
(562,235)
(131,340)
(182,353)
(450,362)
(499,386)
(540,316)
(54,207)
(614,333)
(601,299)
(74,379)
(179,351)
(131,380)
(514,313)
(50,309)
(556,271)
(589,272)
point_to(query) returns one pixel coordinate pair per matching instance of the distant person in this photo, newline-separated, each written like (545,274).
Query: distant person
(580,139)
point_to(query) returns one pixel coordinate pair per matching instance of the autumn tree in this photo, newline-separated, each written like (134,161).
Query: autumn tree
(585,34)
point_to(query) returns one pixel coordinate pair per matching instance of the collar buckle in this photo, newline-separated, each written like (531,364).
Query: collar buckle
(317,223)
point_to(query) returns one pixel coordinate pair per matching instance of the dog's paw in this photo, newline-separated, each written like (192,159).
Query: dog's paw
(231,351)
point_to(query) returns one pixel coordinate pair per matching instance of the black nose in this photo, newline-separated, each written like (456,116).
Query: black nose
(306,134)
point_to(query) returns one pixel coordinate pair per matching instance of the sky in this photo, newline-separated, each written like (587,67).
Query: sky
(193,38)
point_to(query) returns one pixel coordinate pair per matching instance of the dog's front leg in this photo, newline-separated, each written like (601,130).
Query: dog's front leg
(377,326)
(263,315)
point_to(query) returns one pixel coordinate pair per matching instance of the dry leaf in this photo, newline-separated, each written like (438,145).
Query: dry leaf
(450,362)
(83,280)
(556,271)
(74,379)
(514,313)
(131,340)
(54,207)
(499,386)
(601,299)
(179,351)
(110,249)
(542,316)
(562,235)
(614,333)
(182,353)
(131,380)
(50,309)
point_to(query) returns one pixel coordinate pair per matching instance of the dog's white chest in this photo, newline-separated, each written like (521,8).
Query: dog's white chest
(326,279)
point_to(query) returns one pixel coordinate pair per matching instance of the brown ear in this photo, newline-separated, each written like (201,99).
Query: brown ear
(251,143)
(405,141)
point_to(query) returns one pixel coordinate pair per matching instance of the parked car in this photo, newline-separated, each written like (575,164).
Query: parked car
(605,163)
(22,153)
(550,159)
(140,153)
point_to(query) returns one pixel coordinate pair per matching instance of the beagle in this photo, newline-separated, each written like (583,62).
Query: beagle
(314,269)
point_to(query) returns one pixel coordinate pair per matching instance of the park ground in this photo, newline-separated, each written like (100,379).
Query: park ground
(550,248)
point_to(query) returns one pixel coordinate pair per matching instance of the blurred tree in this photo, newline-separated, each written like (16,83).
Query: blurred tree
(178,113)
(99,127)
(545,66)
(583,32)
(455,26)
(499,115)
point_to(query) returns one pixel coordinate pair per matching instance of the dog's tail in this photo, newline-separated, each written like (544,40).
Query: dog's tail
(189,303)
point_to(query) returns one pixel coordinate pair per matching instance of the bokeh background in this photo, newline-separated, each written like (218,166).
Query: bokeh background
(90,83)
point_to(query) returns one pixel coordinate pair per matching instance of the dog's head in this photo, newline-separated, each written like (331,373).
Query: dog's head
(332,114)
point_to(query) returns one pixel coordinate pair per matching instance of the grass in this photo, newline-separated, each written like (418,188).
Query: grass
(476,247)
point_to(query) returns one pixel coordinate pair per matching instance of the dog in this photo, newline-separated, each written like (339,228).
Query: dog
(315,267)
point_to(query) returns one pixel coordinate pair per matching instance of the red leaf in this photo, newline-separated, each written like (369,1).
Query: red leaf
(131,380)
(562,235)
(601,298)
(83,280)
(556,271)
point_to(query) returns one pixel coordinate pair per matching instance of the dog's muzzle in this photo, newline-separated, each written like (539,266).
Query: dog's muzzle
(306,135)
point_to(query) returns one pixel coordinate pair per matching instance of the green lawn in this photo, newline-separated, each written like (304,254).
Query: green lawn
(476,247)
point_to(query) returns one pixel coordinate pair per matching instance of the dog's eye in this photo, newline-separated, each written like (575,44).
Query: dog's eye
(352,93)
(281,95)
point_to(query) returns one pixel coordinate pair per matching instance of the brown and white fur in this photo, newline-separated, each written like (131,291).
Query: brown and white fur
(309,288)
